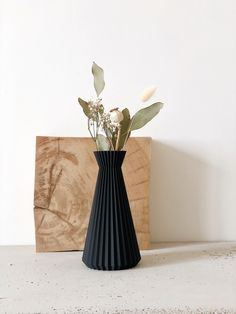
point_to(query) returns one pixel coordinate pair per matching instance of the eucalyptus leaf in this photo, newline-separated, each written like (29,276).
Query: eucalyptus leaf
(145,115)
(102,142)
(85,107)
(125,125)
(126,114)
(99,82)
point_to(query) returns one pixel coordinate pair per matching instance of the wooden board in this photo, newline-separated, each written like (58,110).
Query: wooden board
(65,177)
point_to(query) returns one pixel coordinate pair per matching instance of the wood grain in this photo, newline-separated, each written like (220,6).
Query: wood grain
(65,177)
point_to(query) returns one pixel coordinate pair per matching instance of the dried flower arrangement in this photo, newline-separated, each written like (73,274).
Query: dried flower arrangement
(111,130)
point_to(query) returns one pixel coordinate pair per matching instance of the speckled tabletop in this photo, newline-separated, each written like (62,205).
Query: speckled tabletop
(171,278)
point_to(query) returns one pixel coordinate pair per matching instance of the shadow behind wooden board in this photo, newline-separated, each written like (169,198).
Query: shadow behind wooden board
(65,177)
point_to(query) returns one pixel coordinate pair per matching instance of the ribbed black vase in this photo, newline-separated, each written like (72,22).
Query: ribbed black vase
(111,242)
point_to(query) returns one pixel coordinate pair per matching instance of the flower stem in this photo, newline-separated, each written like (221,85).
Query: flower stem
(109,139)
(90,131)
(118,138)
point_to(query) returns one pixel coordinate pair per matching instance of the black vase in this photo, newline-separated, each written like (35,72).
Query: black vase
(111,242)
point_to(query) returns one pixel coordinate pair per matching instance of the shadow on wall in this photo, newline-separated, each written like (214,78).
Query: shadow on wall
(183,199)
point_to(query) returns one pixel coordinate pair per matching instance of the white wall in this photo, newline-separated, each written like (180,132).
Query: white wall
(186,47)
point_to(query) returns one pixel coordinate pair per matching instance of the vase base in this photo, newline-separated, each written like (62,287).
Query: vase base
(112,267)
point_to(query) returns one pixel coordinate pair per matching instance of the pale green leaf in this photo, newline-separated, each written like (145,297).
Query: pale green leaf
(145,115)
(125,125)
(102,142)
(85,107)
(99,82)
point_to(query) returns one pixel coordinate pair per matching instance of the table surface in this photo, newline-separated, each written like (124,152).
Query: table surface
(171,278)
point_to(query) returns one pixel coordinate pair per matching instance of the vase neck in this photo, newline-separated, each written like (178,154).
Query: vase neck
(109,158)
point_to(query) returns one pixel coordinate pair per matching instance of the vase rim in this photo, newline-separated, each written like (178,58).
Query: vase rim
(109,151)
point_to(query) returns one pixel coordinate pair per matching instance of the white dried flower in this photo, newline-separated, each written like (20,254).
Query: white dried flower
(98,102)
(95,108)
(148,93)
(116,116)
(104,120)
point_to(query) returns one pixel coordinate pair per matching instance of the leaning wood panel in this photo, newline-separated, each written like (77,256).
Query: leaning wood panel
(65,177)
